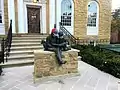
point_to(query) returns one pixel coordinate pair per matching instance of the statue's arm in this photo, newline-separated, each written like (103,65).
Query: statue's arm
(48,41)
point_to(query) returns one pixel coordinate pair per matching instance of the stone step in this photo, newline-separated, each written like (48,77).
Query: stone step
(20,57)
(26,41)
(27,38)
(26,44)
(29,35)
(24,48)
(16,63)
(21,52)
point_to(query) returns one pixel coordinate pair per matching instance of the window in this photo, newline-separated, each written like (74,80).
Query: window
(92,14)
(66,12)
(0,12)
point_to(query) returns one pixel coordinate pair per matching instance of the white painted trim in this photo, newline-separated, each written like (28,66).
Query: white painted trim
(93,30)
(52,14)
(21,23)
(2,25)
(2,8)
(11,14)
(42,17)
(69,28)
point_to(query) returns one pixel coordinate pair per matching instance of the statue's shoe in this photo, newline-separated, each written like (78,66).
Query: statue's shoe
(63,62)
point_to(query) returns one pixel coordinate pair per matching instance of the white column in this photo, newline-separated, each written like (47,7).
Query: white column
(58,12)
(11,13)
(21,16)
(43,19)
(25,18)
(52,14)
(2,25)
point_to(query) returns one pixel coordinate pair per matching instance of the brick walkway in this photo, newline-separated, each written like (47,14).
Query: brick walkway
(21,78)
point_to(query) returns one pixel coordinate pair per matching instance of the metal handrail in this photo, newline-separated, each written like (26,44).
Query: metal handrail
(67,33)
(6,44)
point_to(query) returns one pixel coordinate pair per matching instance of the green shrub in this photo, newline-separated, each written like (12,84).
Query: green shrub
(103,59)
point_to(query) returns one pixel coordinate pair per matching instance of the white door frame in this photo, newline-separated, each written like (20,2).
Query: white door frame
(42,17)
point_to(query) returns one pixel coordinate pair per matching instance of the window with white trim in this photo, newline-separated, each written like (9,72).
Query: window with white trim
(92,14)
(66,12)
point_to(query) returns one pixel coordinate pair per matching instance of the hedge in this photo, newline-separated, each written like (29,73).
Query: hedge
(103,59)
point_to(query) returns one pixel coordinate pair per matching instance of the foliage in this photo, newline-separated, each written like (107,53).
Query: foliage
(116,14)
(115,23)
(103,59)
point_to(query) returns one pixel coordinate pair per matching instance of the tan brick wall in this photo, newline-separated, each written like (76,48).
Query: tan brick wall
(105,19)
(6,21)
(80,19)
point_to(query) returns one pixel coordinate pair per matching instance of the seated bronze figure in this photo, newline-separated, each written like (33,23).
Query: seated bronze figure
(57,43)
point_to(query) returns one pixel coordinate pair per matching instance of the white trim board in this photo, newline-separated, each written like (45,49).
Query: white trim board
(42,17)
(2,25)
(11,14)
(52,15)
(93,30)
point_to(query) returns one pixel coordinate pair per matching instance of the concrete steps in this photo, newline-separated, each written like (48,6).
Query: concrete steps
(23,46)
(27,41)
(16,63)
(20,57)
(21,52)
(27,38)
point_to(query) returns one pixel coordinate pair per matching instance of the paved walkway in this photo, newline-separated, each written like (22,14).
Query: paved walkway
(21,78)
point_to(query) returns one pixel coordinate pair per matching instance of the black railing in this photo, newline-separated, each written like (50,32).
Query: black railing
(71,38)
(6,45)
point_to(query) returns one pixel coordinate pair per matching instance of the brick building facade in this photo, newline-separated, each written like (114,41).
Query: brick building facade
(83,18)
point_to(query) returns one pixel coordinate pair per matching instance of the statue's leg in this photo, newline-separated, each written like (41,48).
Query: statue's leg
(45,46)
(59,56)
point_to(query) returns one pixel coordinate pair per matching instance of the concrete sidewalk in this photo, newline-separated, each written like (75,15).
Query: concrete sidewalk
(21,78)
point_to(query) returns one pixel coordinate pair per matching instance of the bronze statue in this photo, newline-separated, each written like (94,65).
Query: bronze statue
(57,43)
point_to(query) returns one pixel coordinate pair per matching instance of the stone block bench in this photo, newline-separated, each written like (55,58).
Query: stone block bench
(45,63)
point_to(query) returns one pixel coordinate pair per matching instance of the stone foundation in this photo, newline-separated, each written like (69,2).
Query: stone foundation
(45,63)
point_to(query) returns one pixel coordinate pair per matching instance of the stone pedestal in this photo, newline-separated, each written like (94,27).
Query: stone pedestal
(45,63)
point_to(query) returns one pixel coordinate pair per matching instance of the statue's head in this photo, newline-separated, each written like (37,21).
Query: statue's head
(60,34)
(55,33)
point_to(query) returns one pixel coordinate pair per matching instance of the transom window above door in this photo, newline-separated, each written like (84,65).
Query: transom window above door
(66,12)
